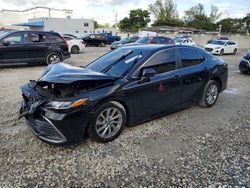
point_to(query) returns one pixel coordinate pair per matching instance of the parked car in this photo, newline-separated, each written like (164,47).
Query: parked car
(185,41)
(221,47)
(75,45)
(218,38)
(245,63)
(111,38)
(152,40)
(120,43)
(94,40)
(183,37)
(19,47)
(122,88)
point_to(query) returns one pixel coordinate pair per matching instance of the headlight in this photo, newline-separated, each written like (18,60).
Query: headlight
(217,48)
(64,105)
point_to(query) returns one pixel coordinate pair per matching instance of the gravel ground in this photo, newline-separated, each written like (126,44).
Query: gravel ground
(195,147)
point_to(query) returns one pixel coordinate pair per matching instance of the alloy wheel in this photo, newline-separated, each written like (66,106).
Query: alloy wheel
(109,122)
(54,58)
(212,94)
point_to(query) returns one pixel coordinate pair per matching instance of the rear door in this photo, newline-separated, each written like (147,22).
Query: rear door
(14,52)
(194,73)
(35,46)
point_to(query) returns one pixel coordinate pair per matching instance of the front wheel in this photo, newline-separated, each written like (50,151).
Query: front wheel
(235,52)
(210,94)
(107,123)
(222,52)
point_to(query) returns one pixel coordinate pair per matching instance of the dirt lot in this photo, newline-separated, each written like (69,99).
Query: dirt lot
(195,147)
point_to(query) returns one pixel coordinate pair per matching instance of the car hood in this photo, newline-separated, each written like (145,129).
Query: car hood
(66,74)
(213,46)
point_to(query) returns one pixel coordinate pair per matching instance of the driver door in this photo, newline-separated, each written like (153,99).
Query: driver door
(161,92)
(11,48)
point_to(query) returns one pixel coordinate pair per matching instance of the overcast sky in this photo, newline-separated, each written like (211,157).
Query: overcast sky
(104,10)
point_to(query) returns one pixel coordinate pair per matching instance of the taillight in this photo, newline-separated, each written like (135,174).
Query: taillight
(65,45)
(83,42)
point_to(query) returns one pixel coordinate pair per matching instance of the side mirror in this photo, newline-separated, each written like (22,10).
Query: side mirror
(6,43)
(146,74)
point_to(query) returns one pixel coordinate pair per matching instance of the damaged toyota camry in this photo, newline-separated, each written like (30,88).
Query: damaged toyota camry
(124,87)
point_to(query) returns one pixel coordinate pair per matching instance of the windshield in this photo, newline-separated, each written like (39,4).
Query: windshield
(217,42)
(144,40)
(85,35)
(115,63)
(179,40)
(3,34)
(125,39)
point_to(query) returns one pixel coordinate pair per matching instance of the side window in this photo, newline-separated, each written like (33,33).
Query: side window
(15,39)
(190,57)
(52,38)
(35,37)
(162,62)
(163,40)
(92,36)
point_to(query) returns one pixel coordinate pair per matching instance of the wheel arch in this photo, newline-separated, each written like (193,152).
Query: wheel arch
(218,80)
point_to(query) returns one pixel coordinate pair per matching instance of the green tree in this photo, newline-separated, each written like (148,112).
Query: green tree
(230,25)
(165,13)
(95,24)
(246,21)
(214,14)
(137,20)
(192,13)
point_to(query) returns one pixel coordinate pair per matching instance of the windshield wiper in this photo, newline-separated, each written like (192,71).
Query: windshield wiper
(117,61)
(134,62)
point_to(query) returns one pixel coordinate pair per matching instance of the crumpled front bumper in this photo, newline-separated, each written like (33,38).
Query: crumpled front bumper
(53,127)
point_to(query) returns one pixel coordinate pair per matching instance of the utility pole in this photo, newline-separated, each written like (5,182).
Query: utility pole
(116,20)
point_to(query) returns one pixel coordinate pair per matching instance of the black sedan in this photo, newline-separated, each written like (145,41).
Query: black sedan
(245,64)
(120,43)
(125,87)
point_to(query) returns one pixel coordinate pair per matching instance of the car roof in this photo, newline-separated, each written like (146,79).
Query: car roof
(156,47)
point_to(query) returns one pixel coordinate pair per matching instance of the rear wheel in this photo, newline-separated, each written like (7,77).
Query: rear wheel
(53,58)
(210,94)
(108,122)
(75,50)
(102,44)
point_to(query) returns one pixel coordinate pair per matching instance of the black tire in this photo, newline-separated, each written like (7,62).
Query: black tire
(235,51)
(102,44)
(205,97)
(99,114)
(222,52)
(75,49)
(53,58)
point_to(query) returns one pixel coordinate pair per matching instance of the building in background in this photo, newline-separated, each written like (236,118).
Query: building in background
(45,19)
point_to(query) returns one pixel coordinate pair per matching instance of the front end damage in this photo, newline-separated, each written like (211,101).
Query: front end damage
(59,111)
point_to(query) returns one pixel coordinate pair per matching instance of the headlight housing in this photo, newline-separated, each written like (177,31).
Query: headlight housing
(65,105)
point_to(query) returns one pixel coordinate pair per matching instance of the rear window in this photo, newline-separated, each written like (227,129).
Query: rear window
(190,57)
(53,38)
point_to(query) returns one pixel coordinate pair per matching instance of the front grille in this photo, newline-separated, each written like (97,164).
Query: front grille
(209,49)
(45,130)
